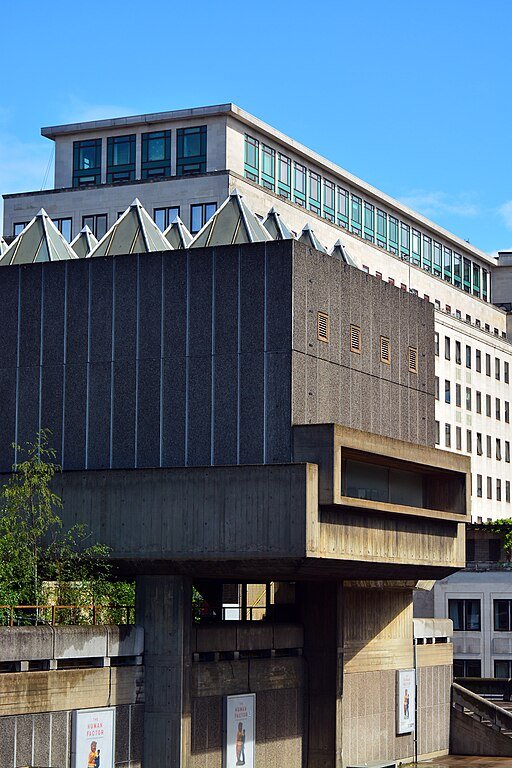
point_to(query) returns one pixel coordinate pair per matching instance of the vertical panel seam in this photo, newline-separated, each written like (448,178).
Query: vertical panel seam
(212,404)
(137,353)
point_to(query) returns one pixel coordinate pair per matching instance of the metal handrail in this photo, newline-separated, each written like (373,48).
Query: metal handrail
(53,610)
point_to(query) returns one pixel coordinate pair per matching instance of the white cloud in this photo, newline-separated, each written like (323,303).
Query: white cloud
(432,204)
(505,211)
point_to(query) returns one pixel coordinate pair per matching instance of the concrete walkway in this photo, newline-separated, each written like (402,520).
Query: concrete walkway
(463,761)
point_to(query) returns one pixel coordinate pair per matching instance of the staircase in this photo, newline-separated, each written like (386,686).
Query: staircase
(479,726)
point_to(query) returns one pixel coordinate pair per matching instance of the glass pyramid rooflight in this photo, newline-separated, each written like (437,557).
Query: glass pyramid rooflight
(308,237)
(276,227)
(341,252)
(3,246)
(40,240)
(84,243)
(177,234)
(232,223)
(133,232)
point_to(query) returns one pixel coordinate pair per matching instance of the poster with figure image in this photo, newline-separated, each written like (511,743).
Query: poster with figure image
(406,701)
(240,730)
(93,738)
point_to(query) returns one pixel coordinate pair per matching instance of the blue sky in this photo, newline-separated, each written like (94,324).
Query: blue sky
(413,97)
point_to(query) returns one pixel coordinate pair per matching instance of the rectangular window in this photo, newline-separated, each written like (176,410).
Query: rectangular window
(315,201)
(416,247)
(502,668)
(487,365)
(507,491)
(465,615)
(468,398)
(436,387)
(484,284)
(457,270)
(328,206)
(252,158)
(479,402)
(97,223)
(191,150)
(447,435)
(458,353)
(355,339)
(498,489)
(393,234)
(165,216)
(479,486)
(86,163)
(488,405)
(507,451)
(489,446)
(458,398)
(382,229)
(468,356)
(507,412)
(506,372)
(447,347)
(121,158)
(299,184)
(498,409)
(476,280)
(342,207)
(284,172)
(405,237)
(447,391)
(447,264)
(268,167)
(479,444)
(466,283)
(356,214)
(502,615)
(156,155)
(497,371)
(436,344)
(200,214)
(369,222)
(498,449)
(64,227)
(437,435)
(458,438)
(438,258)
(489,487)
(478,360)
(469,441)
(427,253)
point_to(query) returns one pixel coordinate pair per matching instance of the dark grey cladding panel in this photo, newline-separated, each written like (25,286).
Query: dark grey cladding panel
(150,306)
(123,418)
(278,392)
(279,296)
(225,407)
(101,302)
(75,387)
(28,403)
(77,309)
(100,395)
(54,280)
(173,411)
(30,314)
(252,298)
(200,262)
(52,386)
(148,413)
(226,264)
(9,285)
(199,410)
(125,307)
(7,416)
(175,303)
(252,412)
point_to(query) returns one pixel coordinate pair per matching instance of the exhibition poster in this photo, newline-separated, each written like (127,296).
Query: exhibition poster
(93,738)
(406,700)
(240,730)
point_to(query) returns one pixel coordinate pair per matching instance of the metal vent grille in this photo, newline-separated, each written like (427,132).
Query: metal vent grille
(322,326)
(355,339)
(385,353)
(412,359)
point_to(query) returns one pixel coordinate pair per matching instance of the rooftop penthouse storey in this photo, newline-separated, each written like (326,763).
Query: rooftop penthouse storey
(245,415)
(184,164)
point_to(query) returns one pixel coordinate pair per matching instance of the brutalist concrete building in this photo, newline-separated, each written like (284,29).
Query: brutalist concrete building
(254,420)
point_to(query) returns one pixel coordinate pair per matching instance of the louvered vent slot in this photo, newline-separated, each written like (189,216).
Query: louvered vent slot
(322,326)
(355,339)
(385,356)
(413,360)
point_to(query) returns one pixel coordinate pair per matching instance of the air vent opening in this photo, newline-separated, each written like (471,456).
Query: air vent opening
(355,339)
(412,358)
(385,352)
(323,329)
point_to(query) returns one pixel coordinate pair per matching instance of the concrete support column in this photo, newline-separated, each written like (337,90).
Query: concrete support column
(163,608)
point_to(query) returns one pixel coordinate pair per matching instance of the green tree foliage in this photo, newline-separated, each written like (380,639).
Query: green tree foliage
(503,527)
(38,557)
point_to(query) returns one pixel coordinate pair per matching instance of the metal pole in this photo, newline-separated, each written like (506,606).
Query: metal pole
(414,645)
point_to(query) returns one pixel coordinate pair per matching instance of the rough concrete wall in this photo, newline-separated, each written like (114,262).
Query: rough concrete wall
(469,737)
(333,384)
(45,738)
(278,685)
(173,359)
(423,603)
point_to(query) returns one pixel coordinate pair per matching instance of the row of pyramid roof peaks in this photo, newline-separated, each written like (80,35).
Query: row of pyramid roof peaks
(136,232)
